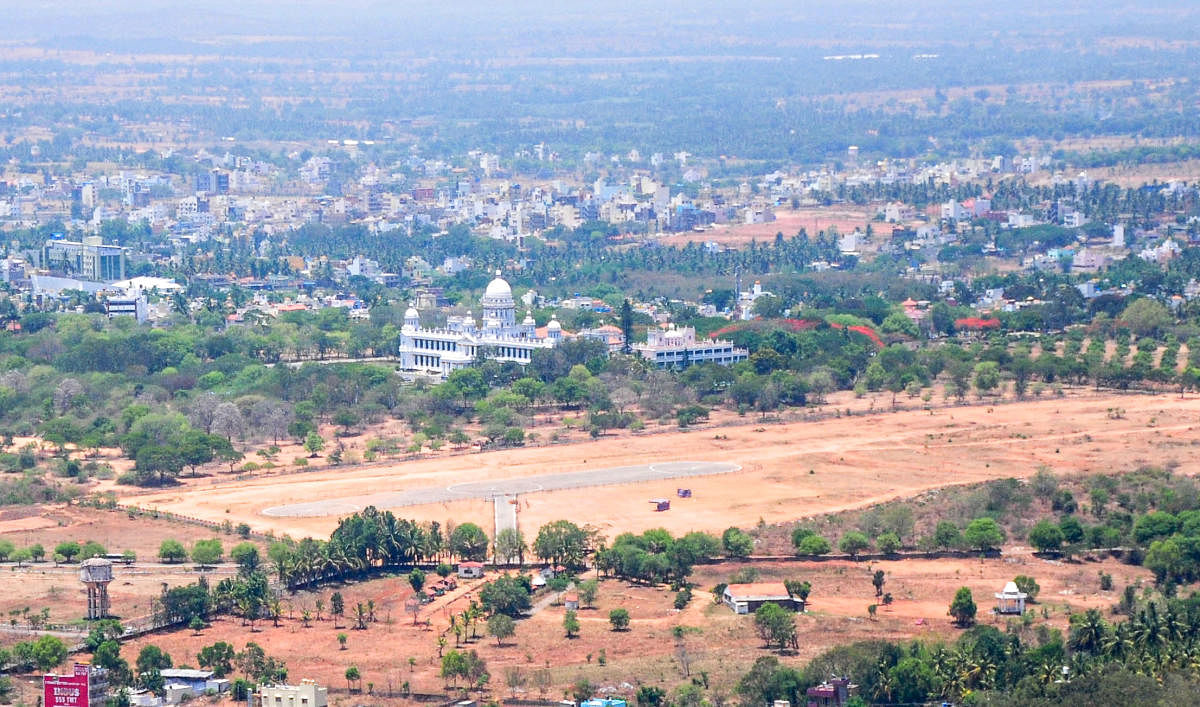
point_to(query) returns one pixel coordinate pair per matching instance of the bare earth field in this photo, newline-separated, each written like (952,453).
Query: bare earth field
(43,584)
(814,220)
(788,470)
(723,645)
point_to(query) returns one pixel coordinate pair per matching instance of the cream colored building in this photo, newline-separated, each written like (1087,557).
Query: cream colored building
(306,694)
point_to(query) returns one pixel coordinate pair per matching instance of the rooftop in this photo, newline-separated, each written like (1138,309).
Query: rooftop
(757,589)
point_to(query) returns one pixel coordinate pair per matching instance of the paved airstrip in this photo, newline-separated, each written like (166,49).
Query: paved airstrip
(506,487)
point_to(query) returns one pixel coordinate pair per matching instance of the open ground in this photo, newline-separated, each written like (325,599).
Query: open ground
(788,222)
(719,644)
(787,470)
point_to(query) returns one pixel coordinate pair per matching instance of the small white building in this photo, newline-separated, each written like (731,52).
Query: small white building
(1011,600)
(307,694)
(470,570)
(747,598)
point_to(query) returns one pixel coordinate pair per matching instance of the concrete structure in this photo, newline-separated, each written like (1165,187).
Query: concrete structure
(182,683)
(746,598)
(678,348)
(89,259)
(307,694)
(96,573)
(1011,600)
(439,352)
(470,570)
(135,307)
(833,693)
(571,601)
(603,702)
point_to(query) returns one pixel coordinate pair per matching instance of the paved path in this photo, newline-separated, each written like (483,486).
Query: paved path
(505,512)
(503,487)
(547,600)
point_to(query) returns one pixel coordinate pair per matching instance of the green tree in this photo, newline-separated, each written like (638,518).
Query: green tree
(626,326)
(313,443)
(163,461)
(1046,536)
(246,556)
(416,579)
(813,545)
(91,549)
(510,546)
(571,623)
(337,606)
(67,550)
(562,543)
(48,652)
(506,595)
(946,535)
(587,592)
(962,608)
(501,626)
(984,534)
(853,542)
(1028,585)
(197,448)
(619,618)
(887,543)
(152,657)
(987,377)
(1146,317)
(207,552)
(469,542)
(736,543)
(172,551)
(775,625)
(218,657)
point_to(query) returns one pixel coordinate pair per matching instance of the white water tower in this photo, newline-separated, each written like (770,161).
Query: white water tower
(96,573)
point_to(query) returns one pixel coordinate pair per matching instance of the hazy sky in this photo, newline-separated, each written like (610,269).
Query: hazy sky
(461,24)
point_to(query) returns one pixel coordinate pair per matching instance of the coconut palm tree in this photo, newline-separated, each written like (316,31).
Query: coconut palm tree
(1088,631)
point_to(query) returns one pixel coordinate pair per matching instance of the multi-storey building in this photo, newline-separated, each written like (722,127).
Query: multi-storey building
(678,348)
(439,352)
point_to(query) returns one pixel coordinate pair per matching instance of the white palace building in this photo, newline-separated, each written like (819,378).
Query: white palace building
(438,352)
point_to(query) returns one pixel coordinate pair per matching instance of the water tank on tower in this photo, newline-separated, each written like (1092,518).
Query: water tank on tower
(96,573)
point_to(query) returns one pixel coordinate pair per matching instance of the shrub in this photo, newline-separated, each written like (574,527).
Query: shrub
(853,543)
(619,618)
(813,545)
(888,543)
(1028,585)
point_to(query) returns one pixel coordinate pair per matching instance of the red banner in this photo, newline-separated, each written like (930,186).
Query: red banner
(67,690)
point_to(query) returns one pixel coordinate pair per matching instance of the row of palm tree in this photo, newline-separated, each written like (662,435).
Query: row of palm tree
(1158,638)
(362,543)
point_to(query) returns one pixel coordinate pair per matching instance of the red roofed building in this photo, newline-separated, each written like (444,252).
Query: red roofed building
(746,598)
(833,693)
(470,570)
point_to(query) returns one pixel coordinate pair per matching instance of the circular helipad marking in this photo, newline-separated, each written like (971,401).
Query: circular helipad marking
(494,488)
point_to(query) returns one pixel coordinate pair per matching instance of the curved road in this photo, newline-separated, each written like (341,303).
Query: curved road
(503,487)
